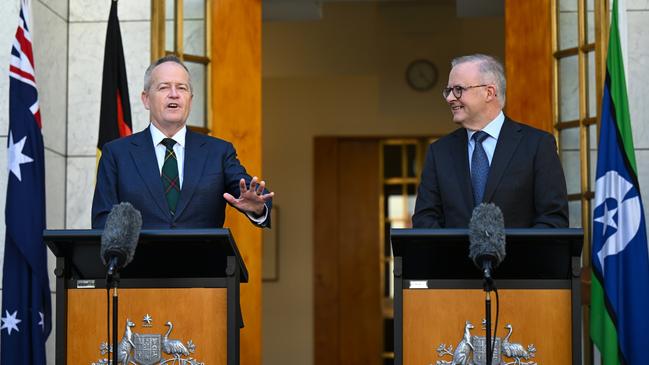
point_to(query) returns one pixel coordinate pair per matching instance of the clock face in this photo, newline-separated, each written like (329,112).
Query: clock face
(421,75)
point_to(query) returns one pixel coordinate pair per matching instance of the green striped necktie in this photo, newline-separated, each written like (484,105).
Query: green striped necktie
(170,178)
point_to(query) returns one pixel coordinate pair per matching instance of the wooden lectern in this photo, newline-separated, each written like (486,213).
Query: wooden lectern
(439,303)
(178,298)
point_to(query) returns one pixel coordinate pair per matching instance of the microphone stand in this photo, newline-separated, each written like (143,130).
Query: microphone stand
(113,281)
(488,285)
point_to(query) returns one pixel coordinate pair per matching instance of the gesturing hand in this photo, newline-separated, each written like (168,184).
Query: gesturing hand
(251,200)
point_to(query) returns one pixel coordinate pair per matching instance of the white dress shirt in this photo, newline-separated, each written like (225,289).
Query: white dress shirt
(489,144)
(179,149)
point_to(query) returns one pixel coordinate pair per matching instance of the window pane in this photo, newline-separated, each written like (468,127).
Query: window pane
(567,24)
(592,207)
(391,278)
(574,208)
(387,272)
(593,165)
(194,9)
(411,151)
(391,161)
(389,191)
(592,84)
(198,116)
(592,135)
(396,208)
(388,330)
(590,22)
(194,27)
(400,209)
(169,8)
(568,5)
(387,245)
(568,89)
(412,198)
(569,139)
(571,165)
(170,34)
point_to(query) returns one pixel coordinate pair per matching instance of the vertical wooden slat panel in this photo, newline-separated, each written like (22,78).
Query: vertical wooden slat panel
(325,253)
(601,46)
(528,62)
(359,251)
(236,103)
(157,29)
(347,285)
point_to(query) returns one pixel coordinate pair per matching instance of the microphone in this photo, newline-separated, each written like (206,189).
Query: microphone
(487,238)
(120,236)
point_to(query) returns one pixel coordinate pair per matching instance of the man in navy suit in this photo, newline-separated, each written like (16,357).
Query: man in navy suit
(207,172)
(490,159)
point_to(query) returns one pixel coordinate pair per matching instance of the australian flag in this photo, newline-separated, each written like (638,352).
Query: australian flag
(26,307)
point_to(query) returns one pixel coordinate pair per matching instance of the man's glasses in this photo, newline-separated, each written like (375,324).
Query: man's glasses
(458,90)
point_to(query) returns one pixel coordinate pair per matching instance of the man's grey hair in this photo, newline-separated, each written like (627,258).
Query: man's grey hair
(491,69)
(169,58)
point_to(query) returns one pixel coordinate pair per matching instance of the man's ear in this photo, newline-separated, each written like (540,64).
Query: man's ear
(492,93)
(145,99)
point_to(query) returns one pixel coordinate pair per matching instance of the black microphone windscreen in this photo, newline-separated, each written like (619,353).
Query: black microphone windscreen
(121,234)
(487,234)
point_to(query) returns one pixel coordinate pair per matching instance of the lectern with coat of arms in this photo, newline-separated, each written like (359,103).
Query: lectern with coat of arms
(178,299)
(439,302)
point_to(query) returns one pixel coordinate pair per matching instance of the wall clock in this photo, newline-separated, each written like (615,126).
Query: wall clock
(421,75)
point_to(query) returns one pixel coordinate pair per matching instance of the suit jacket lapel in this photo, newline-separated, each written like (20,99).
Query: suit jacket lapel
(195,157)
(508,140)
(460,155)
(146,163)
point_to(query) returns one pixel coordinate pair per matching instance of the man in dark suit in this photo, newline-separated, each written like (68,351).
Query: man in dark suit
(175,177)
(490,159)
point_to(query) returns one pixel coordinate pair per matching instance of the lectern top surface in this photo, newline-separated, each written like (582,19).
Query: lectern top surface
(531,253)
(160,253)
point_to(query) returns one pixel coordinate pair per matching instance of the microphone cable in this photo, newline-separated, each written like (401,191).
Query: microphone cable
(108,317)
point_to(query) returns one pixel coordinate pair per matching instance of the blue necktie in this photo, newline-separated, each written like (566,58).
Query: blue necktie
(479,167)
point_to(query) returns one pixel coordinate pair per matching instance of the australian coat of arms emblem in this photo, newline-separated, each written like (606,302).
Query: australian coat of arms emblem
(149,349)
(472,350)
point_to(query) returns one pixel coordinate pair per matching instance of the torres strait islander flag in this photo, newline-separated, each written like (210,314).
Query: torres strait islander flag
(620,257)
